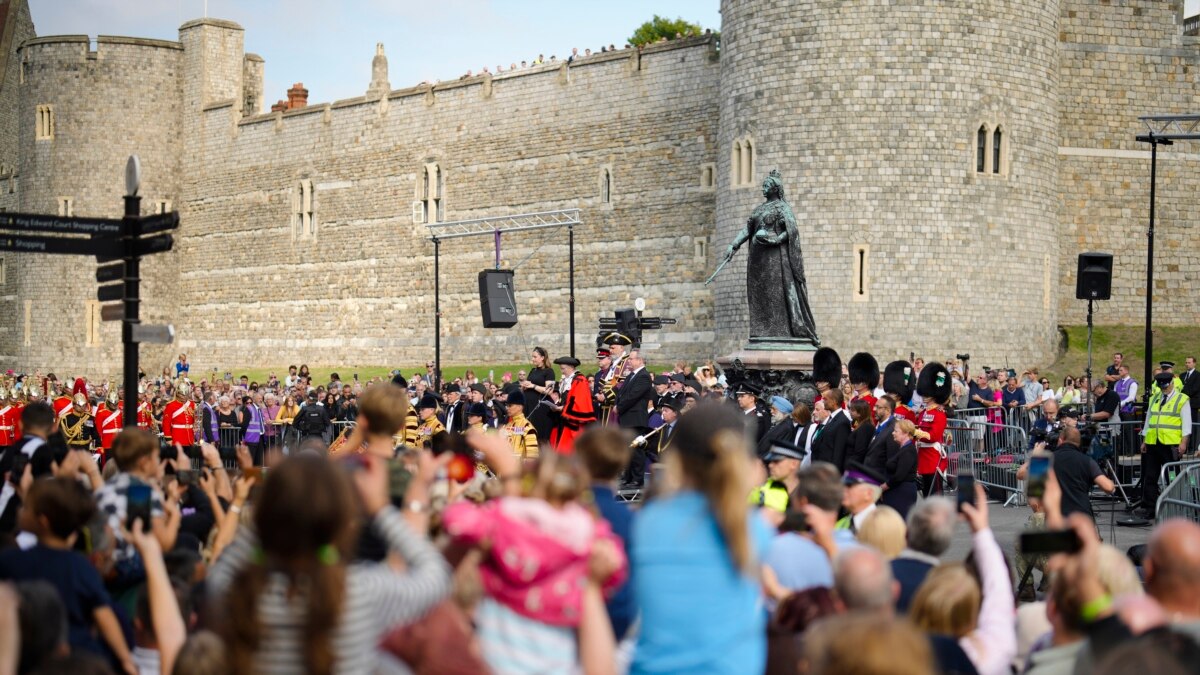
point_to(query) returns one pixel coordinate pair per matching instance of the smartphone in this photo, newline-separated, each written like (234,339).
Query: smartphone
(255,472)
(966,489)
(1049,542)
(1039,470)
(138,506)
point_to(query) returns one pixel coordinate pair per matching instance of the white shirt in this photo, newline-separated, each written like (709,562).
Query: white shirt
(859,517)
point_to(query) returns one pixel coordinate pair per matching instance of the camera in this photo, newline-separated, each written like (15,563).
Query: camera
(963,357)
(1049,435)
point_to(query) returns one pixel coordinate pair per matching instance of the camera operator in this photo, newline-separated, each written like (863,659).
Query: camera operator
(1048,426)
(1107,404)
(1076,473)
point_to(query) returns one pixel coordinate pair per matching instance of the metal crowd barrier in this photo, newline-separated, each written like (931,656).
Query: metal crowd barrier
(993,452)
(1181,498)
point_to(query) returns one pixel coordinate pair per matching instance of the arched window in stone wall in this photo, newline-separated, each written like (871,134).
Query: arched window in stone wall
(981,140)
(45,123)
(997,148)
(433,190)
(304,222)
(605,186)
(741,163)
(735,164)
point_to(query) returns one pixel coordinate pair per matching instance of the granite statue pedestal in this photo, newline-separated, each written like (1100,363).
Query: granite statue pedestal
(776,366)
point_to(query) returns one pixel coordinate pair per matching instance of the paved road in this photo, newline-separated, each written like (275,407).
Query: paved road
(1008,522)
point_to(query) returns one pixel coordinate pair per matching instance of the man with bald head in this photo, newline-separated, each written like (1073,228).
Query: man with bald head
(1172,567)
(863,580)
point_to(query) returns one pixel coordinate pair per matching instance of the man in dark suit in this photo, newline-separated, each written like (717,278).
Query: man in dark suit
(456,408)
(746,396)
(1191,389)
(633,413)
(832,437)
(882,444)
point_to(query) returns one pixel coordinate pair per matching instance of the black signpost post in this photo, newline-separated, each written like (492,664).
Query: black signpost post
(118,244)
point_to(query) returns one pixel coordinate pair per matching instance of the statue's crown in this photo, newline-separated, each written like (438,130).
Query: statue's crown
(775,174)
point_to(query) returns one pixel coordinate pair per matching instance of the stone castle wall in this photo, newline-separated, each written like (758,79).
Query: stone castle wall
(361,285)
(18,27)
(120,99)
(870,111)
(1118,62)
(298,238)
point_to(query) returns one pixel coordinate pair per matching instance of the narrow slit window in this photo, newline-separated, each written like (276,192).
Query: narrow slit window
(997,140)
(606,187)
(862,259)
(735,164)
(860,282)
(981,150)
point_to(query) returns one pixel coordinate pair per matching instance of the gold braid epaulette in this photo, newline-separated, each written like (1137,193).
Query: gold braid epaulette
(71,434)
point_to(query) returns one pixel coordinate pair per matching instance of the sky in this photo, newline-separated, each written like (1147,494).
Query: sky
(328,44)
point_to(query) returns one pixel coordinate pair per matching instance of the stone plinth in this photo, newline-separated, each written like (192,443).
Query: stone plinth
(786,372)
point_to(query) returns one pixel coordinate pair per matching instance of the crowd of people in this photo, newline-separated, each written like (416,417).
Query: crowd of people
(476,526)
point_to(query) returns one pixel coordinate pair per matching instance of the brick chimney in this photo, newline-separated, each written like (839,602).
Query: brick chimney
(297,96)
(280,106)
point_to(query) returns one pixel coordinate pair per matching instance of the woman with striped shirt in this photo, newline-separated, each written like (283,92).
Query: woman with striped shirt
(293,604)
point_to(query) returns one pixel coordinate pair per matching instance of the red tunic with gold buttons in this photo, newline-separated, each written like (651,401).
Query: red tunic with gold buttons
(930,457)
(145,419)
(8,424)
(179,422)
(108,423)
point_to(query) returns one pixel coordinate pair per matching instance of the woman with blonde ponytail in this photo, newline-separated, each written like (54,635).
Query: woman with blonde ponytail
(695,554)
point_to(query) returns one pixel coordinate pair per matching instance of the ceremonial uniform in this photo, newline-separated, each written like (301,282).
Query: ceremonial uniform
(179,423)
(61,405)
(427,429)
(863,370)
(8,422)
(411,425)
(522,437)
(145,416)
(934,387)
(109,423)
(577,409)
(78,427)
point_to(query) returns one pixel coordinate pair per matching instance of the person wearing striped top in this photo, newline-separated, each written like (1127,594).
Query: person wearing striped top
(293,604)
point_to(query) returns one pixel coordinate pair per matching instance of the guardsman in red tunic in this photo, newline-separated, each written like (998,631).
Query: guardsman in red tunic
(145,416)
(8,420)
(864,377)
(60,403)
(575,408)
(108,421)
(934,387)
(898,381)
(179,417)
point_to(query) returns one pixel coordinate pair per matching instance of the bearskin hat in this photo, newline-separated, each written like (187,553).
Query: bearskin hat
(827,367)
(864,369)
(934,383)
(898,380)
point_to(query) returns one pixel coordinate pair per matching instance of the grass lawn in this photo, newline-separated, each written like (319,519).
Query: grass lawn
(321,374)
(1170,343)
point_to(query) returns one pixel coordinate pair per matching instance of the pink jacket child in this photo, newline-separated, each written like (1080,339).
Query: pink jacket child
(536,555)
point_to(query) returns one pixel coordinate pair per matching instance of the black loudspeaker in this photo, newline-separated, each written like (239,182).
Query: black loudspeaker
(497,299)
(1094,281)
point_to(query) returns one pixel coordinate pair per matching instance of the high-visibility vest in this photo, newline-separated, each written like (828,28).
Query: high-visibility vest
(1164,424)
(771,495)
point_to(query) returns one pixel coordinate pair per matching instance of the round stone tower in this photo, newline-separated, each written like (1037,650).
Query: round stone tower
(918,145)
(84,108)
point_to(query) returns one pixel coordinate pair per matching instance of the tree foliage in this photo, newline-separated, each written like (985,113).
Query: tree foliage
(661,27)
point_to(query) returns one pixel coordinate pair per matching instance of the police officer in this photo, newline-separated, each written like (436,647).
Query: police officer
(313,419)
(1164,436)
(783,461)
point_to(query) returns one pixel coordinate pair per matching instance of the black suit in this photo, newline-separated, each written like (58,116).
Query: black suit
(881,447)
(784,431)
(860,438)
(633,397)
(831,441)
(455,416)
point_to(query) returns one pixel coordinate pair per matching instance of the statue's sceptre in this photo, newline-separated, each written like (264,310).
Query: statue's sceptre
(728,257)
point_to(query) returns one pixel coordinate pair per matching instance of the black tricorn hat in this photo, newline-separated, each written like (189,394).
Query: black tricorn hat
(864,369)
(827,367)
(934,383)
(898,380)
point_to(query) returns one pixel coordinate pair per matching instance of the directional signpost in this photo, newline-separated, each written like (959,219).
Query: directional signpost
(118,244)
